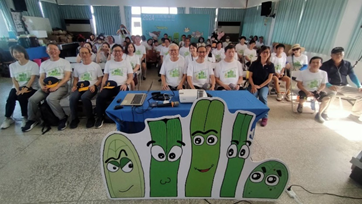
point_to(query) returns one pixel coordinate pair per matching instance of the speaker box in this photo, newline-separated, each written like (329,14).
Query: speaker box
(20,5)
(266,8)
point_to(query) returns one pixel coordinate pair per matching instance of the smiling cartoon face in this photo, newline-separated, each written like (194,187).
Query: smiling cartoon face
(166,151)
(122,168)
(205,132)
(268,180)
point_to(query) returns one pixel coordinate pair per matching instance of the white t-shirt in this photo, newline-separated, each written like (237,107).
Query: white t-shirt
(181,44)
(279,63)
(164,51)
(140,51)
(55,68)
(23,73)
(103,57)
(118,71)
(200,72)
(189,59)
(251,54)
(298,62)
(224,44)
(283,54)
(211,59)
(173,71)
(134,60)
(240,48)
(312,81)
(159,48)
(146,45)
(89,72)
(184,51)
(258,44)
(219,54)
(229,72)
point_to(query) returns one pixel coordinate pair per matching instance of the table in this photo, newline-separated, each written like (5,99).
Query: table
(37,52)
(129,121)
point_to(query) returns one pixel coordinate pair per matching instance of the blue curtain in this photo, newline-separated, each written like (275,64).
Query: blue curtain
(75,12)
(319,24)
(51,11)
(210,11)
(107,18)
(287,21)
(128,15)
(230,15)
(7,15)
(254,24)
(181,10)
(33,8)
(354,49)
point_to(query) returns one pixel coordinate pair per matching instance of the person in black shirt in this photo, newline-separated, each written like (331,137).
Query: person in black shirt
(261,73)
(337,70)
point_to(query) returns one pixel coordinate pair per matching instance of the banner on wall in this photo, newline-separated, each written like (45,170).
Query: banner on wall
(175,25)
(203,155)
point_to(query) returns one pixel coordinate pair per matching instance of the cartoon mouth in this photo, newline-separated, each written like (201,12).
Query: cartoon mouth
(126,190)
(204,170)
(166,182)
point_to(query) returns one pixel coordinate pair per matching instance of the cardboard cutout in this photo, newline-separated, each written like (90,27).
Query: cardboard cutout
(203,155)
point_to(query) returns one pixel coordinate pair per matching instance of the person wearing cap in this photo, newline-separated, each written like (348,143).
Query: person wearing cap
(279,62)
(23,73)
(173,73)
(296,60)
(240,48)
(118,75)
(87,77)
(337,70)
(227,41)
(229,72)
(199,72)
(141,53)
(250,53)
(59,69)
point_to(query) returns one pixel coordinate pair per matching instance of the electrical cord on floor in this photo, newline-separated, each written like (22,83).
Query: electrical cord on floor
(207,201)
(330,194)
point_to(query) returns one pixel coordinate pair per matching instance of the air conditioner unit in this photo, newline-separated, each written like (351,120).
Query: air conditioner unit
(78,25)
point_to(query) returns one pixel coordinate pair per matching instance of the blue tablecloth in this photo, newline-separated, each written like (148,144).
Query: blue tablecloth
(131,116)
(37,52)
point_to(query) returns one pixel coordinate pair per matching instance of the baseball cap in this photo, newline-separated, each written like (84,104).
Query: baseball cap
(83,86)
(51,82)
(110,84)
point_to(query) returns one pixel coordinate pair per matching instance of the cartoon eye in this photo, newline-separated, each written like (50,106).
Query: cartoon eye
(232,151)
(198,140)
(126,165)
(256,177)
(211,140)
(272,180)
(112,168)
(158,153)
(244,152)
(174,153)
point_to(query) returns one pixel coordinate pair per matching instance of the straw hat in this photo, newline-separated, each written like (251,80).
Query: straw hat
(296,46)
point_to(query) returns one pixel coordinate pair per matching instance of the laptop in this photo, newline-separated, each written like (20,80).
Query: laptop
(135,99)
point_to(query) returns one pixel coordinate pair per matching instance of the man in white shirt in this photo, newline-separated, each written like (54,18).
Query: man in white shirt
(185,50)
(280,62)
(260,42)
(250,53)
(240,48)
(173,73)
(229,72)
(141,53)
(60,69)
(165,50)
(311,83)
(84,73)
(182,42)
(199,72)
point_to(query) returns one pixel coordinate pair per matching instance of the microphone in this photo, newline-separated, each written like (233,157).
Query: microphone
(171,104)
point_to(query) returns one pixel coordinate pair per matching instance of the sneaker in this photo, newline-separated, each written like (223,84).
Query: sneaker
(300,108)
(319,118)
(7,122)
(325,116)
(279,97)
(29,125)
(90,123)
(63,123)
(288,97)
(23,122)
(264,122)
(273,91)
(99,122)
(74,123)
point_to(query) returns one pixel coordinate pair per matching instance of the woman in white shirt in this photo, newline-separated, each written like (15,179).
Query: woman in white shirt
(23,73)
(89,46)
(219,52)
(201,42)
(250,53)
(192,56)
(296,60)
(210,56)
(135,62)
(103,53)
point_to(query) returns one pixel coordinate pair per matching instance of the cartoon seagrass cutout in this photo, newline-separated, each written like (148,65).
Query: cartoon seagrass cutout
(237,153)
(122,168)
(205,131)
(166,151)
(268,180)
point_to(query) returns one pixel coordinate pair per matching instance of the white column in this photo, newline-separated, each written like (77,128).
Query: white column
(187,10)
(123,16)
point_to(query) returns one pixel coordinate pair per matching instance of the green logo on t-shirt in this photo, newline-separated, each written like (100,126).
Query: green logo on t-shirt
(230,74)
(241,52)
(22,77)
(201,75)
(186,53)
(218,57)
(54,72)
(132,65)
(251,57)
(174,72)
(138,52)
(166,53)
(297,64)
(313,84)
(86,77)
(278,67)
(117,72)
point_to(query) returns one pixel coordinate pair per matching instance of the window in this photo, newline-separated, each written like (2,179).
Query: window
(136,26)
(93,21)
(173,10)
(3,24)
(155,10)
(136,10)
(41,9)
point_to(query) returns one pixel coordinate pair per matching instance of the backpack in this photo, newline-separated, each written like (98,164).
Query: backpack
(48,117)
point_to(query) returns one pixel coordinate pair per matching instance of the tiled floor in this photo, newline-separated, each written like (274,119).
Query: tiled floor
(63,167)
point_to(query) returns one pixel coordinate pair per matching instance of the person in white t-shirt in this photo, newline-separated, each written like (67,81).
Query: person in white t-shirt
(123,33)
(118,71)
(103,53)
(85,72)
(260,42)
(60,69)
(279,62)
(250,53)
(311,83)
(219,52)
(165,50)
(110,40)
(173,73)
(192,56)
(240,48)
(227,42)
(229,72)
(185,49)
(296,60)
(182,42)
(141,53)
(199,73)
(89,46)
(209,56)
(135,63)
(23,73)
